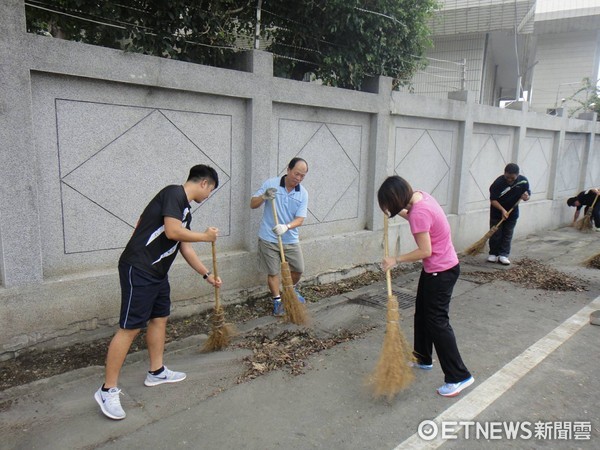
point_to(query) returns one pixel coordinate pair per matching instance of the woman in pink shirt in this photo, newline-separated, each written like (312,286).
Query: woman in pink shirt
(431,230)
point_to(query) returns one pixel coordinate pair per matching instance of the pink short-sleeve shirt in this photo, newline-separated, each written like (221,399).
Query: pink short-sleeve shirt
(428,216)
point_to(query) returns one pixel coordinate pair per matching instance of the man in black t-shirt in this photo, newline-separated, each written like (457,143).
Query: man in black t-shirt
(505,193)
(587,199)
(162,231)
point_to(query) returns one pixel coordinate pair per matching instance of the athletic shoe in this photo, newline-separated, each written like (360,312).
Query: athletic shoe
(421,366)
(278,309)
(302,300)
(504,260)
(453,389)
(598,229)
(110,404)
(492,258)
(166,376)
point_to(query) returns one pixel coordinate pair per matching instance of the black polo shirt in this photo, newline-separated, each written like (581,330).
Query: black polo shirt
(149,249)
(508,194)
(585,198)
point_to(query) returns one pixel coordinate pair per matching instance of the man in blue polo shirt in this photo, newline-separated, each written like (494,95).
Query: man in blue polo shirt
(292,209)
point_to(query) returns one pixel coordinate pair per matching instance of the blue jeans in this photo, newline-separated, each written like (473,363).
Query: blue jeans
(501,239)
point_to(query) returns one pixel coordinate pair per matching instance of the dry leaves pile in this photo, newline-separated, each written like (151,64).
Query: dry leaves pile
(288,350)
(594,262)
(532,274)
(35,364)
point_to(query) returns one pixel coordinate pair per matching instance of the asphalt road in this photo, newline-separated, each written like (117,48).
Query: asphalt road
(533,353)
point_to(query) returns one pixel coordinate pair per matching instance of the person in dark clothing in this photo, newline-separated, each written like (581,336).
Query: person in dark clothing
(505,192)
(162,231)
(587,199)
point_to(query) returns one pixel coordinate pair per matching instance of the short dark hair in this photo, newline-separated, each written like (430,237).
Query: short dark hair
(512,168)
(295,161)
(571,201)
(203,172)
(394,194)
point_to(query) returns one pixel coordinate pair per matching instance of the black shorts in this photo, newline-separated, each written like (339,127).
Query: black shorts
(143,297)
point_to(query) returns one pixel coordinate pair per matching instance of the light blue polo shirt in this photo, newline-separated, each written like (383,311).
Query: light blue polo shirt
(289,206)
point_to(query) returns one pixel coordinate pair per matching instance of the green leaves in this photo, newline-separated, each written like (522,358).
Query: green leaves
(356,39)
(199,31)
(340,42)
(586,97)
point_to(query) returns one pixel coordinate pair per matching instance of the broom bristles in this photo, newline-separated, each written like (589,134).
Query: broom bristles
(221,333)
(392,373)
(295,311)
(478,246)
(584,224)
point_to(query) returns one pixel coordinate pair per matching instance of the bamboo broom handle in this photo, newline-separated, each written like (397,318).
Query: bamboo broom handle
(215,274)
(594,203)
(386,253)
(509,211)
(274,207)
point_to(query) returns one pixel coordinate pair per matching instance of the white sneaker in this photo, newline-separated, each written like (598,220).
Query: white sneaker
(504,260)
(453,389)
(492,258)
(166,376)
(110,403)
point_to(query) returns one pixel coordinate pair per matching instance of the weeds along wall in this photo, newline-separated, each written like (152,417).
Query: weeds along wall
(90,134)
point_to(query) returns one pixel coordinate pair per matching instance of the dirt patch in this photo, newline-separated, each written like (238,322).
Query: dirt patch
(532,274)
(37,364)
(593,262)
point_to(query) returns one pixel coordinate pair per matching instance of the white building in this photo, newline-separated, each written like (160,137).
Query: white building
(503,50)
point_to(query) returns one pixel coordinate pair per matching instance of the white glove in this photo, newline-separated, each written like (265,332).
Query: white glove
(269,194)
(280,229)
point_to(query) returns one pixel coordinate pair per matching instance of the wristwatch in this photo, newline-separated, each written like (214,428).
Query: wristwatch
(206,275)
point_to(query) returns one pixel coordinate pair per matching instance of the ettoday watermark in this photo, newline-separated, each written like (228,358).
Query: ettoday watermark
(505,430)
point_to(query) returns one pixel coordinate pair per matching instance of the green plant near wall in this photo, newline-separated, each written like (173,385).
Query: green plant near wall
(342,42)
(586,97)
(339,42)
(204,32)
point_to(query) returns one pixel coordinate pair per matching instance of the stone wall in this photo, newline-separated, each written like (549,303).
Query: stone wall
(91,134)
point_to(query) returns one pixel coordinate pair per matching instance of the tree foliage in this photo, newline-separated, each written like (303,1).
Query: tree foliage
(200,31)
(339,42)
(343,41)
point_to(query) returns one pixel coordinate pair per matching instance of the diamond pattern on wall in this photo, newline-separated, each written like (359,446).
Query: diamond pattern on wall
(487,164)
(570,166)
(413,146)
(85,130)
(535,163)
(79,228)
(111,186)
(333,154)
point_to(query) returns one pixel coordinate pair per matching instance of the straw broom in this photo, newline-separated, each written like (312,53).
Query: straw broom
(393,372)
(295,311)
(478,246)
(221,332)
(585,224)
